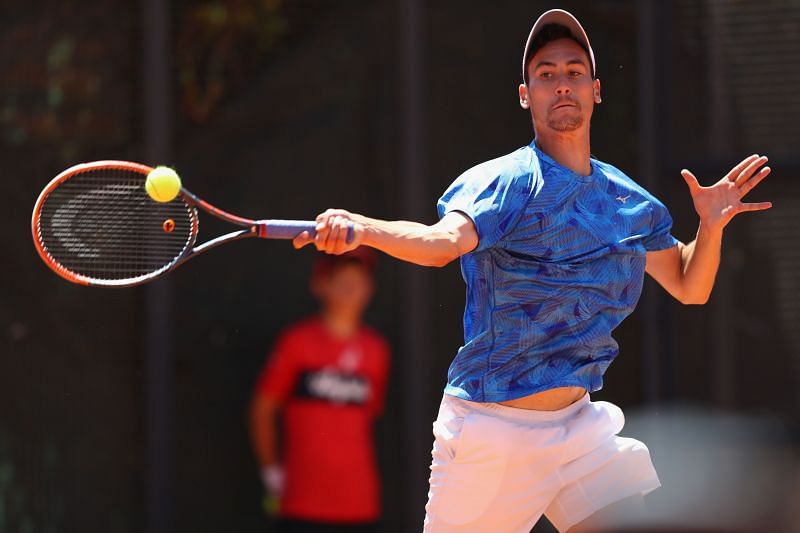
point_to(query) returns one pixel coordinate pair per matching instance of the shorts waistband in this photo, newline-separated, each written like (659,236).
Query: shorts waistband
(515,413)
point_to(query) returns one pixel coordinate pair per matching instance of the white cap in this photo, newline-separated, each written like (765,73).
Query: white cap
(564,18)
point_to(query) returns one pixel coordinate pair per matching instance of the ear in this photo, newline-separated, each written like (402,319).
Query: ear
(597,98)
(523,96)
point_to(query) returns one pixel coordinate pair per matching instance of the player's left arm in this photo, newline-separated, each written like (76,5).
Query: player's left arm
(687,271)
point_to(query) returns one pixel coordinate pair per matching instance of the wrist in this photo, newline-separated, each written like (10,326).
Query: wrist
(273,478)
(709,231)
(368,229)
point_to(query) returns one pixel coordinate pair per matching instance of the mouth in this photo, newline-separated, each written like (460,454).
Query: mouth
(563,105)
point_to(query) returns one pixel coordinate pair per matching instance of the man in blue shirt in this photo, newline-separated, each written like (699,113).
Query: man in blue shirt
(554,246)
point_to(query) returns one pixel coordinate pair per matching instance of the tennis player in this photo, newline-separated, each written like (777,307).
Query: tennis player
(554,246)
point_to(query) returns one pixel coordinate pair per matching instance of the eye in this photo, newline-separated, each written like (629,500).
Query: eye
(575,73)
(545,75)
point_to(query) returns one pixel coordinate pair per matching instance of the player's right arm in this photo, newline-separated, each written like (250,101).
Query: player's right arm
(435,245)
(264,412)
(272,389)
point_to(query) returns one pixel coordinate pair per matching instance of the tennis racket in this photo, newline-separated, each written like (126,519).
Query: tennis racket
(94,224)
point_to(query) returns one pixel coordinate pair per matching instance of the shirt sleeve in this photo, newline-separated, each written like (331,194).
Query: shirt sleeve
(492,198)
(279,376)
(660,237)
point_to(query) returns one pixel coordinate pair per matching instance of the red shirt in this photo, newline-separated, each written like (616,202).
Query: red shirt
(331,389)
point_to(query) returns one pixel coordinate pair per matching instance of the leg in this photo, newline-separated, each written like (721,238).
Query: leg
(604,519)
(608,470)
(490,471)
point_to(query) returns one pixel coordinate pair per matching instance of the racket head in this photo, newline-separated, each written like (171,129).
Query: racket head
(94,224)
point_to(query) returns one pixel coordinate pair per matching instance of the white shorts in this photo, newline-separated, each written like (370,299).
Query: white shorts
(498,469)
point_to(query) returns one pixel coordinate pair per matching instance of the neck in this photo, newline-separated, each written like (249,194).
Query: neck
(568,150)
(340,325)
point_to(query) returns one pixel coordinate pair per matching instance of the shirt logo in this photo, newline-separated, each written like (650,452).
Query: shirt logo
(623,199)
(331,385)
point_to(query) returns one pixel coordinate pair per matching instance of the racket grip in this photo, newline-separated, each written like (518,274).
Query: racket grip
(289,229)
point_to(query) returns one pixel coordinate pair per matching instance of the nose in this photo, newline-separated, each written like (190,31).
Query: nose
(563,89)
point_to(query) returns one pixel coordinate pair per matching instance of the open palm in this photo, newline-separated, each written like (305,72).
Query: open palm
(718,204)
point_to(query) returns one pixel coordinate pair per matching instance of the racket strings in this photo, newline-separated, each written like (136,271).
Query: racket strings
(101,224)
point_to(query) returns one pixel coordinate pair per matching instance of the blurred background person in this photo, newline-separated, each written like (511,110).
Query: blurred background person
(314,404)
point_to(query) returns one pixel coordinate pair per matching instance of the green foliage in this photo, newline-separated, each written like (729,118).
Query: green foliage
(220,44)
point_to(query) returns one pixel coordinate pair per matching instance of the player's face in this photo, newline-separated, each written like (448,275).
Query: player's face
(345,291)
(561,92)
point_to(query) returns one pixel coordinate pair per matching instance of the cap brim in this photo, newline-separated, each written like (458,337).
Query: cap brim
(564,18)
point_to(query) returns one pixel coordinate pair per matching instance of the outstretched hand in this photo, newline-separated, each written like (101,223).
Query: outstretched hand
(718,204)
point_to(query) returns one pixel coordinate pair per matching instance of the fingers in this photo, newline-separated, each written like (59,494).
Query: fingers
(749,170)
(302,240)
(748,185)
(337,237)
(740,175)
(690,179)
(759,206)
(332,229)
(735,171)
(323,229)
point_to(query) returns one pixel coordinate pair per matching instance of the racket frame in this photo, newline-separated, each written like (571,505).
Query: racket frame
(265,229)
(75,277)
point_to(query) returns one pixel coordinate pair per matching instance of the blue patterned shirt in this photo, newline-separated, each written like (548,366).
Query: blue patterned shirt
(559,264)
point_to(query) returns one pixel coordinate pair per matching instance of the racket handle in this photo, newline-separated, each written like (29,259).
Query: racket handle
(289,229)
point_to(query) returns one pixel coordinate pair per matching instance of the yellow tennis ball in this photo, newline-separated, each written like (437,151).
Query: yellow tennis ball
(163,184)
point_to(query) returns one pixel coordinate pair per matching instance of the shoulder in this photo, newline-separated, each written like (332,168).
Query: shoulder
(300,330)
(509,177)
(622,180)
(374,340)
(516,166)
(613,173)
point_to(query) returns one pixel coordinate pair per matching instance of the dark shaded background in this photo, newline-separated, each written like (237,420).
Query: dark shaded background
(282,108)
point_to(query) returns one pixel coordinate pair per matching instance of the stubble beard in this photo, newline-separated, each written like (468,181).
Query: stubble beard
(565,124)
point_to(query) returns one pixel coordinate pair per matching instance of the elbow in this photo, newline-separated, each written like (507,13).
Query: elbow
(262,409)
(694,299)
(689,293)
(438,261)
(446,259)
(442,255)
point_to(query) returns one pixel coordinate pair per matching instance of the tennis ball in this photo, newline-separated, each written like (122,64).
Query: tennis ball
(163,184)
